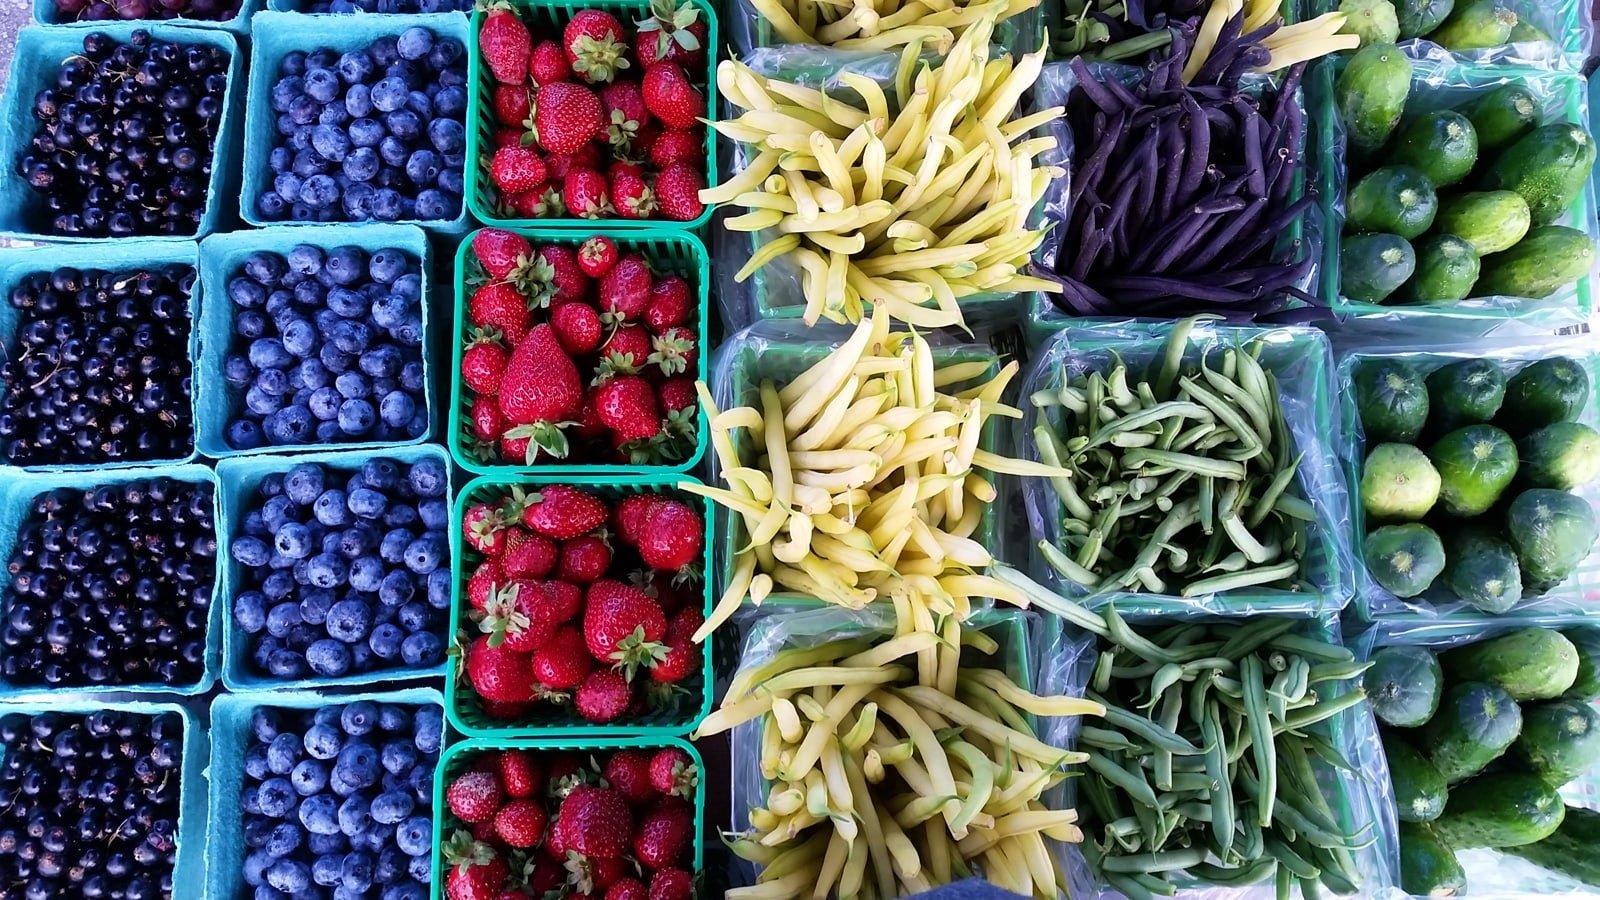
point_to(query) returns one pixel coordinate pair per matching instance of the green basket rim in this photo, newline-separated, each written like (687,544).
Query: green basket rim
(478,125)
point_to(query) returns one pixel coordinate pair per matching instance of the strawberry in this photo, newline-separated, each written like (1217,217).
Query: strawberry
(671,884)
(498,674)
(482,585)
(584,559)
(564,599)
(678,186)
(622,625)
(507,137)
(564,662)
(501,253)
(586,194)
(561,164)
(671,303)
(520,824)
(527,555)
(557,276)
(682,659)
(483,362)
(629,515)
(485,416)
(627,404)
(594,822)
(519,773)
(483,529)
(512,105)
(638,147)
(589,424)
(664,834)
(628,773)
(675,145)
(593,41)
(673,773)
(624,352)
(577,327)
(515,449)
(673,536)
(516,618)
(673,32)
(517,169)
(597,255)
(628,889)
(540,392)
(544,877)
(677,395)
(673,351)
(547,64)
(527,204)
(473,796)
(566,116)
(505,45)
(624,112)
(603,696)
(630,193)
(669,96)
(476,871)
(560,511)
(625,291)
(589,877)
(498,305)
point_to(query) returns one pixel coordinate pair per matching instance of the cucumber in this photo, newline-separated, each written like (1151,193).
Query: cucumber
(1482,570)
(1476,722)
(1371,94)
(1547,167)
(1502,116)
(1418,17)
(1419,789)
(1529,663)
(1373,266)
(1391,400)
(1560,740)
(1397,199)
(1475,464)
(1428,866)
(1527,31)
(1404,559)
(1374,21)
(1441,144)
(1447,268)
(1553,531)
(1403,685)
(1586,686)
(1398,483)
(1570,849)
(1464,393)
(1549,258)
(1560,455)
(1506,809)
(1490,221)
(1549,390)
(1475,25)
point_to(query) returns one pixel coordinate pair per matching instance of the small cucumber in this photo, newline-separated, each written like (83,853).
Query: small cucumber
(1464,393)
(1441,144)
(1501,116)
(1371,94)
(1482,570)
(1549,258)
(1475,25)
(1447,268)
(1547,167)
(1476,722)
(1505,809)
(1490,221)
(1403,685)
(1397,199)
(1419,789)
(1560,740)
(1529,663)
(1571,849)
(1525,31)
(1586,686)
(1553,389)
(1428,866)
(1373,21)
(1373,266)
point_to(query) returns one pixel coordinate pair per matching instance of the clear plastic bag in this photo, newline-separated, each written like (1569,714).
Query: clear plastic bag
(1301,360)
(1440,82)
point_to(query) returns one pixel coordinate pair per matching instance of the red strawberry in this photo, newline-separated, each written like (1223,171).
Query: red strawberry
(673,599)
(674,351)
(476,871)
(564,662)
(519,773)
(673,536)
(625,291)
(590,877)
(594,822)
(562,512)
(517,169)
(625,352)
(516,618)
(505,45)
(498,674)
(564,599)
(664,834)
(628,889)
(500,306)
(681,659)
(597,255)
(483,362)
(485,415)
(674,32)
(589,424)
(483,529)
(566,116)
(515,450)
(628,772)
(671,303)
(501,253)
(685,622)
(584,559)
(593,41)
(678,187)
(630,193)
(473,796)
(558,276)
(677,395)
(539,203)
(527,555)
(547,64)
(577,326)
(603,696)
(520,824)
(638,148)
(481,586)
(670,96)
(546,876)
(508,137)
(671,884)
(630,513)
(586,194)
(622,625)
(512,104)
(674,145)
(672,772)
(624,112)
(587,157)
(540,391)
(627,404)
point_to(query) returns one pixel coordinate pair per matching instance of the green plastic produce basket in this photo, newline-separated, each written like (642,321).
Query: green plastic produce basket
(458,758)
(222,257)
(551,16)
(226,846)
(667,250)
(45,13)
(467,715)
(1435,84)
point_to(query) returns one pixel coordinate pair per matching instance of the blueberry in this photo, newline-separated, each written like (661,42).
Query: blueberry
(384,50)
(322,85)
(355,66)
(387,205)
(385,640)
(398,756)
(332,508)
(426,553)
(281,618)
(324,403)
(420,103)
(255,762)
(355,871)
(403,124)
(366,573)
(319,814)
(293,63)
(357,417)
(277,586)
(255,867)
(413,616)
(367,503)
(349,304)
(331,142)
(447,135)
(414,43)
(251,552)
(392,547)
(283,840)
(269,353)
(361,165)
(328,658)
(390,311)
(349,620)
(422,649)
(319,192)
(309,777)
(293,540)
(414,836)
(276,797)
(283,753)
(358,101)
(264,725)
(421,871)
(271,206)
(333,114)
(390,94)
(325,870)
(450,101)
(428,729)
(323,740)
(250,611)
(291,425)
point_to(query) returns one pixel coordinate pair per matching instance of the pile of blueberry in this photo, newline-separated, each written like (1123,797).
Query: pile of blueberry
(339,802)
(389,6)
(370,134)
(111,586)
(124,137)
(327,348)
(89,805)
(100,371)
(110,10)
(345,572)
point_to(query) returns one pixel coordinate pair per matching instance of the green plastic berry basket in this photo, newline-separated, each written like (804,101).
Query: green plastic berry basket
(38,53)
(551,16)
(460,757)
(668,250)
(222,257)
(45,13)
(692,702)
(230,738)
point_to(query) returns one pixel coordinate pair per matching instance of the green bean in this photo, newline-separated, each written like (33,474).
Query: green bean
(1269,497)
(1310,715)
(1100,680)
(1312,647)
(1164,861)
(1253,872)
(1252,839)
(1193,781)
(1219,583)
(1231,389)
(1291,860)
(1049,454)
(1328,753)
(1180,409)
(1117,389)
(1294,508)
(1066,566)
(1277,700)
(1195,810)
(1097,399)
(1224,412)
(1131,781)
(1127,885)
(1338,869)
(1217,769)
(1120,633)
(1339,671)
(1283,883)
(1165,677)
(1089,553)
(1106,739)
(1254,634)
(1146,729)
(1256,719)
(1188,462)
(1172,355)
(1308,889)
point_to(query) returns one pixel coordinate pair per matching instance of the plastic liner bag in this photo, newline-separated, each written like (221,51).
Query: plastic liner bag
(775,291)
(1511,347)
(1490,873)
(1301,239)
(1302,363)
(1357,797)
(1439,82)
(749,28)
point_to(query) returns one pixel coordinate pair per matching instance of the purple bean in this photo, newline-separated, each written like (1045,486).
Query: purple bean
(1094,90)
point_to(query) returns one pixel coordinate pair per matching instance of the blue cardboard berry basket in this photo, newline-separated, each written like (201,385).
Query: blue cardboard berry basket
(17,263)
(239,479)
(38,52)
(17,491)
(230,737)
(44,12)
(222,256)
(276,34)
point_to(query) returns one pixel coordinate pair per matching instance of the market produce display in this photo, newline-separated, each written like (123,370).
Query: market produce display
(1469,476)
